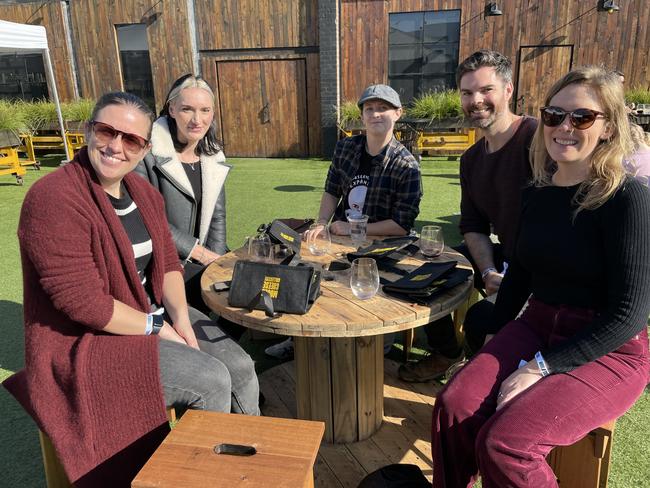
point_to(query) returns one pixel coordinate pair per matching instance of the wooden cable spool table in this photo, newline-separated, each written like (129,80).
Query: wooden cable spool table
(339,353)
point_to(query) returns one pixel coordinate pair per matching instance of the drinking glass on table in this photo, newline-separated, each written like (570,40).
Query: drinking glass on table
(432,242)
(260,249)
(364,278)
(319,240)
(358,226)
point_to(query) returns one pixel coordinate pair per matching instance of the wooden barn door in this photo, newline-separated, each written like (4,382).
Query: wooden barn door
(263,107)
(539,67)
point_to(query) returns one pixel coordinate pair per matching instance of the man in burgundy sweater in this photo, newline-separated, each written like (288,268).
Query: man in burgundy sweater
(492,174)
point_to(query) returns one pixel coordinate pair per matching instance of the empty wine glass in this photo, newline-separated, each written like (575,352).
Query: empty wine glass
(260,248)
(319,239)
(364,278)
(432,242)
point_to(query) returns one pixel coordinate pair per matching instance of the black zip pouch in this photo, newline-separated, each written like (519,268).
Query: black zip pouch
(274,287)
(281,233)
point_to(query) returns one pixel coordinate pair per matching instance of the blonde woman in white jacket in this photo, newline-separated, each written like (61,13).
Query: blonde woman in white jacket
(186,164)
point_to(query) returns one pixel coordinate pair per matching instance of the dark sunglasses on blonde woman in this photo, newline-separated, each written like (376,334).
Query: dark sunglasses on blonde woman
(580,118)
(105,133)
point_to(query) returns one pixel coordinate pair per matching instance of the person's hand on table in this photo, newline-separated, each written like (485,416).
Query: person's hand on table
(518,382)
(203,255)
(340,228)
(169,334)
(312,233)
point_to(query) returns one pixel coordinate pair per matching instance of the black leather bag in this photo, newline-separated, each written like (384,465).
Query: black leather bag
(274,287)
(281,233)
(387,252)
(428,282)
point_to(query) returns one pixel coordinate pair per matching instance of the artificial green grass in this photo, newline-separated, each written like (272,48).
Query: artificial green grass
(258,190)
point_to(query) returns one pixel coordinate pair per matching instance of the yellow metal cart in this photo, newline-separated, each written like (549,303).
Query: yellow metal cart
(9,162)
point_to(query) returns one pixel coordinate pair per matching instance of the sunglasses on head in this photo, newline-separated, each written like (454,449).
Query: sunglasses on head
(105,133)
(580,118)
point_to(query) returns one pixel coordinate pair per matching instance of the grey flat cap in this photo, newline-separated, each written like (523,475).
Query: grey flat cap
(381,92)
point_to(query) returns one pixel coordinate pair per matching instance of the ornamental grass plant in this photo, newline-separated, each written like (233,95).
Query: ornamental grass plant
(637,95)
(30,117)
(436,105)
(10,118)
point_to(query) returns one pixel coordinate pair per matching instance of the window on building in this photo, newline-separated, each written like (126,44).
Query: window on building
(22,76)
(136,66)
(423,51)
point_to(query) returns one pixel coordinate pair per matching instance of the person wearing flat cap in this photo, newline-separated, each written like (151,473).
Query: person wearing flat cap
(373,173)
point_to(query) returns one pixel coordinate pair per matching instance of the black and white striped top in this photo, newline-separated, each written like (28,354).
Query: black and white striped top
(131,219)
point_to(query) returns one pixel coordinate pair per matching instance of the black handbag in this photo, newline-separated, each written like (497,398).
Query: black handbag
(281,233)
(274,287)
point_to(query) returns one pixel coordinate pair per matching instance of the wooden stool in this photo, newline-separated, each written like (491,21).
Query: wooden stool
(55,476)
(584,464)
(286,452)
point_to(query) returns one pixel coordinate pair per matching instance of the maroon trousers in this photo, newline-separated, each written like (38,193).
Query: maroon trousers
(509,447)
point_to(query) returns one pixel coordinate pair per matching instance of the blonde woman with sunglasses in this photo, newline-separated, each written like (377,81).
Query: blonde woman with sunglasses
(577,355)
(109,338)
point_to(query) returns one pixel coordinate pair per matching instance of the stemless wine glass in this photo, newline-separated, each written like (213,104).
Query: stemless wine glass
(364,278)
(432,242)
(319,239)
(260,249)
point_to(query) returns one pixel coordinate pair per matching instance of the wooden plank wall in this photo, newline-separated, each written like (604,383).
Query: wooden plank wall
(95,42)
(619,40)
(50,15)
(254,24)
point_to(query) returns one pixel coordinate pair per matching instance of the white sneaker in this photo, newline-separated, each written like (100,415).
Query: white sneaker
(281,350)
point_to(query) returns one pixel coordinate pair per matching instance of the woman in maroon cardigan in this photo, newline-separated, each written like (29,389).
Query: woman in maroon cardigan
(99,265)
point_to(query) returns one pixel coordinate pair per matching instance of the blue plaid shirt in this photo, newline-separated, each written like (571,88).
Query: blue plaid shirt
(395,187)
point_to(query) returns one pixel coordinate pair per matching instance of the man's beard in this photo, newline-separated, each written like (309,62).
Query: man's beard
(482,123)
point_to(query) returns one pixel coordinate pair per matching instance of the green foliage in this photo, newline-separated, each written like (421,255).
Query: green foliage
(637,95)
(36,115)
(436,105)
(350,114)
(78,111)
(10,118)
(19,115)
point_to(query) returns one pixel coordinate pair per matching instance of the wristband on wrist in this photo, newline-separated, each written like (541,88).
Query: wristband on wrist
(157,321)
(149,327)
(487,271)
(541,364)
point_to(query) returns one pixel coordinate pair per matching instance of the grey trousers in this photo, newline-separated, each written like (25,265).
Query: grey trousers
(220,377)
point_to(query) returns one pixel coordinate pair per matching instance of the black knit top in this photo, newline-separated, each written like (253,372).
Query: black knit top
(599,260)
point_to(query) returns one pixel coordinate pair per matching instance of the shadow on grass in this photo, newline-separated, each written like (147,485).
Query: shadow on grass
(50,160)
(451,176)
(295,188)
(20,463)
(11,345)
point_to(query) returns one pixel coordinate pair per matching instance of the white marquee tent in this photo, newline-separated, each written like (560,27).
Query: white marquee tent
(25,38)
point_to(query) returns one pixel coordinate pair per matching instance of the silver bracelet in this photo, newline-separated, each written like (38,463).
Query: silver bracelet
(149,327)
